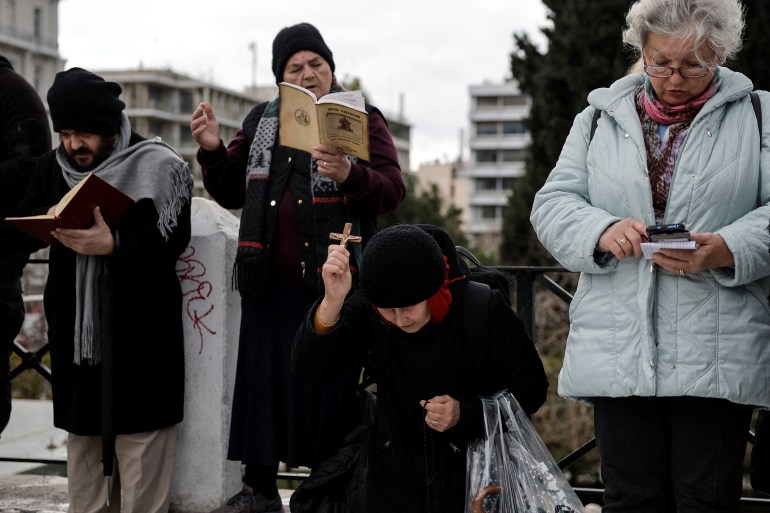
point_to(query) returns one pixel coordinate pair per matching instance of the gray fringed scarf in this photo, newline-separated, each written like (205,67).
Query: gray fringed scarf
(149,169)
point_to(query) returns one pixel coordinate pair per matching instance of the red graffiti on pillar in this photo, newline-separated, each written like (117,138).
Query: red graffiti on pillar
(191,273)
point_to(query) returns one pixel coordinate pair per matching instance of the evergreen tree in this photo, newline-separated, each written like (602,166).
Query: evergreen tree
(753,58)
(585,51)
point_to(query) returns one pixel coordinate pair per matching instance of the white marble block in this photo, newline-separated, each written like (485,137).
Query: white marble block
(203,478)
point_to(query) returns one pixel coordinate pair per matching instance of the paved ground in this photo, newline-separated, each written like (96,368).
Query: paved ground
(26,493)
(30,434)
(32,494)
(48,494)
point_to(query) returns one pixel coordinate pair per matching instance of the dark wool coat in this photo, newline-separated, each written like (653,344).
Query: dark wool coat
(24,136)
(147,342)
(437,360)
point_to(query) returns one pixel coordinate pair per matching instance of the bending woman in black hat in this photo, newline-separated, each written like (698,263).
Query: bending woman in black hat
(408,315)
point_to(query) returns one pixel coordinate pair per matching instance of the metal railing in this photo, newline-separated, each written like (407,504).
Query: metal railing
(30,360)
(523,281)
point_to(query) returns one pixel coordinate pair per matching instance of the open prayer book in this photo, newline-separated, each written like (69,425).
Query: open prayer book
(648,248)
(338,119)
(76,209)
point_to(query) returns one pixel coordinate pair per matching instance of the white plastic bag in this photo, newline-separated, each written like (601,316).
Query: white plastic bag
(510,470)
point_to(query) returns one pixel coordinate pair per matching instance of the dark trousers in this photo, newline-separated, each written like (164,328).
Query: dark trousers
(663,454)
(11,318)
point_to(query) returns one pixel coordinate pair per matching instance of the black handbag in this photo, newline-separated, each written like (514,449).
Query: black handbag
(338,484)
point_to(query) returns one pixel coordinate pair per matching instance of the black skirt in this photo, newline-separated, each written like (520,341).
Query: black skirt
(276,416)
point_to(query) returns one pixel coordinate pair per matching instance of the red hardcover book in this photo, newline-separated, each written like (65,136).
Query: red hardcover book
(76,209)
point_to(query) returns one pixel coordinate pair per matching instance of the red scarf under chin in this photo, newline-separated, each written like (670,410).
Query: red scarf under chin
(440,302)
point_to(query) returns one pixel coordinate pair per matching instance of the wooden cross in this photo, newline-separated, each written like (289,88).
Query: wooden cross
(345,236)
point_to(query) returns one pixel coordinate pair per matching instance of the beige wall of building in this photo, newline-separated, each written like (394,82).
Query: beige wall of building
(453,189)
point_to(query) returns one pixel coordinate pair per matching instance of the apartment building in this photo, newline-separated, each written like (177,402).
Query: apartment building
(160,102)
(29,32)
(497,143)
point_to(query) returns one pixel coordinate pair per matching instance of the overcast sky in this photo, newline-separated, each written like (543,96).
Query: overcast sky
(429,51)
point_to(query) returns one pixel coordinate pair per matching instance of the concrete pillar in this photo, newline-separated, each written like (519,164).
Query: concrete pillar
(203,478)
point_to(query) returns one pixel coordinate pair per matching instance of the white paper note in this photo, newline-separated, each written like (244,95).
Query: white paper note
(648,248)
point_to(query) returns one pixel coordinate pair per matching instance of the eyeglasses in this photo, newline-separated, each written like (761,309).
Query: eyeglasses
(667,71)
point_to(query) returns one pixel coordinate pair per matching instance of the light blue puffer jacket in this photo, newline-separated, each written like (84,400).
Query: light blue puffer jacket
(636,329)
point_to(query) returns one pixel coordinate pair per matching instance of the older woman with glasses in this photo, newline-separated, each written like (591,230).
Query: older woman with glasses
(671,351)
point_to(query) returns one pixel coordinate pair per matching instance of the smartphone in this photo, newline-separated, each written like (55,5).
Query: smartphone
(667,232)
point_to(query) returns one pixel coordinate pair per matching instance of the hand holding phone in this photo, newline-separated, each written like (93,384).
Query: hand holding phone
(667,232)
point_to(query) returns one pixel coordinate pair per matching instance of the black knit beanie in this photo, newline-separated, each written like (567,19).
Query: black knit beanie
(401,266)
(296,38)
(83,101)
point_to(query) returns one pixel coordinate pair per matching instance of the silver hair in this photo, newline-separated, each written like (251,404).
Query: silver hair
(711,25)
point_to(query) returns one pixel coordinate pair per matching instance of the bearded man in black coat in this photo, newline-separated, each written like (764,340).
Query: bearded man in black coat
(113,301)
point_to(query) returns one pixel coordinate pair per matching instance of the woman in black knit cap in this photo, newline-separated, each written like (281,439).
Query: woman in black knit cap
(408,315)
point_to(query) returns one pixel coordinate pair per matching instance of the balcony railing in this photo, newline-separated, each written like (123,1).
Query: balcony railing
(525,282)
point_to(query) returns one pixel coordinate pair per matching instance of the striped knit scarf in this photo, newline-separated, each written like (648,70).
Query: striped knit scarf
(662,155)
(329,208)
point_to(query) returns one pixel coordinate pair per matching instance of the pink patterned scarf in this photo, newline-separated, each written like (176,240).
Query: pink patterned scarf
(662,154)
